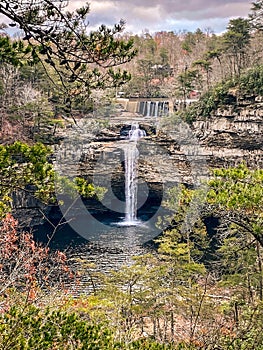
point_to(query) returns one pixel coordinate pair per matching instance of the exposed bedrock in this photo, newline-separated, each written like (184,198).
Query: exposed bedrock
(184,154)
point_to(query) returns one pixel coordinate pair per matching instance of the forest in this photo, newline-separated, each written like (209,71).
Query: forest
(196,288)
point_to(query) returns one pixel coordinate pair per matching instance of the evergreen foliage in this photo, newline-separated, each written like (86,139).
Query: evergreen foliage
(15,52)
(251,82)
(59,39)
(29,169)
(236,41)
(239,193)
(34,328)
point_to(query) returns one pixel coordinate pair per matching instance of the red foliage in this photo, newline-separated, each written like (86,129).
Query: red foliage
(27,265)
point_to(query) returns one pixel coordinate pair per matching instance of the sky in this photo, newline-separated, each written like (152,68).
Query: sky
(165,15)
(162,15)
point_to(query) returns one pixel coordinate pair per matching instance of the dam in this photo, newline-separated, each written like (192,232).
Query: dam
(152,106)
(148,107)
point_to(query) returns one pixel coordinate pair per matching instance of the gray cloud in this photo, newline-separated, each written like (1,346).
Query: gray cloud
(165,14)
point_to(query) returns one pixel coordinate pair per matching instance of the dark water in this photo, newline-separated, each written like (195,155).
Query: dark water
(109,249)
(115,248)
(107,229)
(108,244)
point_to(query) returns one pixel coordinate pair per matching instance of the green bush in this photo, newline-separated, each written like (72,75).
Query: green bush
(252,81)
(33,328)
(28,168)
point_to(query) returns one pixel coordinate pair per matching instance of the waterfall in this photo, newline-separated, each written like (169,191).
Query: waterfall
(131,156)
(153,108)
(156,108)
(148,112)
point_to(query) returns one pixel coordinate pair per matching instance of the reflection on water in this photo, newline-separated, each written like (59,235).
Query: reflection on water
(111,244)
(109,247)
(115,247)
(120,234)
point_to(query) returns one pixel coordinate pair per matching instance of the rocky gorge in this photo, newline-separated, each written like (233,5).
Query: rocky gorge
(172,152)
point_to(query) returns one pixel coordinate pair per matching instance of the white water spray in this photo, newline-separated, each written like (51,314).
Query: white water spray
(131,156)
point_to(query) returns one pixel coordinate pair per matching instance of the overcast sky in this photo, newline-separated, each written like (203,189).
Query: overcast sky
(167,15)
(162,15)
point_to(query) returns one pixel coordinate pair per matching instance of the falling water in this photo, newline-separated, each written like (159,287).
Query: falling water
(131,155)
(156,108)
(148,113)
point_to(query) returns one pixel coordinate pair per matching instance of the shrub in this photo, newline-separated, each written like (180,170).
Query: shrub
(32,328)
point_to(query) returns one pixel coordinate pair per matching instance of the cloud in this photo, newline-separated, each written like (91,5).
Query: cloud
(165,14)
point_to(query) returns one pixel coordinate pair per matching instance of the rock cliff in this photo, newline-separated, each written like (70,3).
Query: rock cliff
(172,152)
(233,134)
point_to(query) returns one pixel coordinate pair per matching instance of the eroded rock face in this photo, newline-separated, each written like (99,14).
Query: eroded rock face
(29,210)
(181,155)
(167,155)
(232,136)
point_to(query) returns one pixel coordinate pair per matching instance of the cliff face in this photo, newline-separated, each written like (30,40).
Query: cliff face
(171,153)
(231,135)
(29,210)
